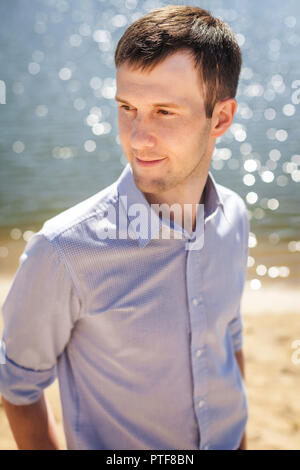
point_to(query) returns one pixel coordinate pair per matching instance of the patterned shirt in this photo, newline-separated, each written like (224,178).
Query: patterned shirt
(139,329)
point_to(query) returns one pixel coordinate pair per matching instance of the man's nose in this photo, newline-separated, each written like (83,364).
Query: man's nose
(141,135)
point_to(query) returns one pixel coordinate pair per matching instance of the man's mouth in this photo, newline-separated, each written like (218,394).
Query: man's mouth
(149,162)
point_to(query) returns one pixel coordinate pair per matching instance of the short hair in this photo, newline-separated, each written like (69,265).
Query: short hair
(164,31)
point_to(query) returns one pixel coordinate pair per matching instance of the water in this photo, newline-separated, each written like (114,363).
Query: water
(58,128)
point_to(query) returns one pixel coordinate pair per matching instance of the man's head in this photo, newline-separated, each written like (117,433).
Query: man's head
(214,49)
(180,55)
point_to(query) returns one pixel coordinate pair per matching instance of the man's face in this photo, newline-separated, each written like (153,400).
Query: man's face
(162,117)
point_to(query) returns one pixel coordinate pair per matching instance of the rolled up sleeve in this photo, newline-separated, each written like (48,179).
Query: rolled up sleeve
(39,313)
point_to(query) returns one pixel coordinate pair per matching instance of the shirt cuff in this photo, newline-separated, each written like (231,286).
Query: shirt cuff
(22,386)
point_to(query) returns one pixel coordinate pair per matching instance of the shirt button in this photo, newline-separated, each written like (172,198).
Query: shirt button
(201,403)
(198,352)
(195,301)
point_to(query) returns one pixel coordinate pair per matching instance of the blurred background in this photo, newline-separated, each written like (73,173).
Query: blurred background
(59,145)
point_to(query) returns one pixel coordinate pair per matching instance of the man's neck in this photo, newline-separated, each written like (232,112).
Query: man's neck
(187,198)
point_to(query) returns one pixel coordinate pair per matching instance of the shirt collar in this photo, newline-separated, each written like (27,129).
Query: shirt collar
(127,187)
(213,199)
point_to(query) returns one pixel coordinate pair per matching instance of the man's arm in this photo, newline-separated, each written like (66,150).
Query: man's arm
(39,314)
(240,359)
(33,426)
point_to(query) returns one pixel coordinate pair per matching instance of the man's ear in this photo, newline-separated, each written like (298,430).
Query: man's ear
(222,117)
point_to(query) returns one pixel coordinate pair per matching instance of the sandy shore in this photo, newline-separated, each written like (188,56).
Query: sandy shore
(271,324)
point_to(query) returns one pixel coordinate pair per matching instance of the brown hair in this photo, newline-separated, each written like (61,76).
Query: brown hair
(214,48)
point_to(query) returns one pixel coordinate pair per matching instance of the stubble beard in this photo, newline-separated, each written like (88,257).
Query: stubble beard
(158,185)
(155,185)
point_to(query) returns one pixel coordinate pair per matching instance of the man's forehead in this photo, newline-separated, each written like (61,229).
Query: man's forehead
(150,93)
(175,78)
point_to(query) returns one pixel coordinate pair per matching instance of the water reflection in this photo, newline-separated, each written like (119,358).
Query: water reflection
(62,88)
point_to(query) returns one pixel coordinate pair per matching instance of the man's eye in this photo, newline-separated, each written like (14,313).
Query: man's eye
(127,108)
(165,113)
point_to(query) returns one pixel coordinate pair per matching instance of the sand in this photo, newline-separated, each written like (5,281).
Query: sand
(271,318)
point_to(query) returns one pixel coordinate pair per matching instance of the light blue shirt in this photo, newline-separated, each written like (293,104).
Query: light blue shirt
(140,331)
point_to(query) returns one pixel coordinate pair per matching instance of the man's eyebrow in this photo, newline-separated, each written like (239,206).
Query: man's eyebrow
(156,105)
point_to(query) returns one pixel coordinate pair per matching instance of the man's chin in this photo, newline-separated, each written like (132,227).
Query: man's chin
(149,185)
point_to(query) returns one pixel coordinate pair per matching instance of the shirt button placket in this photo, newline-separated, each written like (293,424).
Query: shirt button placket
(198,335)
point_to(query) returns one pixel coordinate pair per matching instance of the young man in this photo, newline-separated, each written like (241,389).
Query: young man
(143,331)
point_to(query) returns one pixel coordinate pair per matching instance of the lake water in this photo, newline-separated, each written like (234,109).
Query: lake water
(58,128)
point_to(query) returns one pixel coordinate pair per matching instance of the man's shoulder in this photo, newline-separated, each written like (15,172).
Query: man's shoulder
(77,216)
(233,202)
(235,210)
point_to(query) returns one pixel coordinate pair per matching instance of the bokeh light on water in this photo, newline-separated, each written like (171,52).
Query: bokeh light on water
(58,130)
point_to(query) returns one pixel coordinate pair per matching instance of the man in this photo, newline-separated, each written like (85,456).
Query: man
(143,331)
